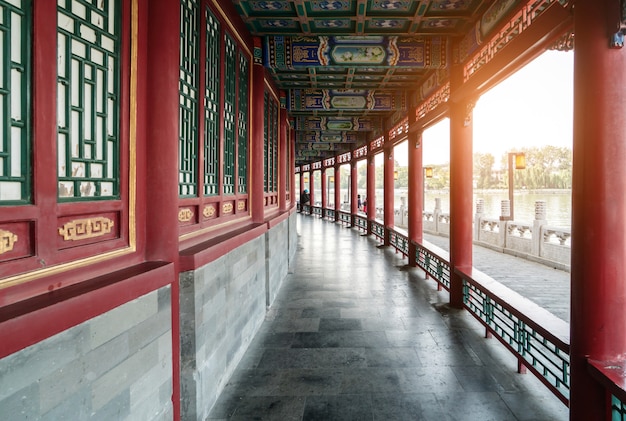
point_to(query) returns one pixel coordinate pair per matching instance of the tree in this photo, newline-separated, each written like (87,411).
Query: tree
(483,170)
(548,167)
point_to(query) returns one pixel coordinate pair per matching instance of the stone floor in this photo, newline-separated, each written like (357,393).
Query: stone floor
(356,335)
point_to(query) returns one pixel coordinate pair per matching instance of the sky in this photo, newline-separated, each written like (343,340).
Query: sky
(533,107)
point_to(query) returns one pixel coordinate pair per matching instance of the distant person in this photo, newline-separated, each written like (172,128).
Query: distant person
(365,205)
(305,198)
(359,204)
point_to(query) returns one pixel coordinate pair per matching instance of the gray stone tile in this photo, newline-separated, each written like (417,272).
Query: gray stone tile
(407,406)
(339,324)
(344,407)
(273,408)
(484,406)
(313,358)
(333,313)
(371,380)
(392,357)
(339,339)
(310,382)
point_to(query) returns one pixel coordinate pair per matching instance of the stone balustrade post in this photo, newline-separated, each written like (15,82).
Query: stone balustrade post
(505,215)
(541,211)
(437,213)
(480,209)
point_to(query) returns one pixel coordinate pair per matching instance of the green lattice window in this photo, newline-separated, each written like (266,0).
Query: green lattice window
(230,95)
(270,147)
(211,106)
(274,147)
(242,123)
(266,131)
(15,25)
(88,99)
(188,91)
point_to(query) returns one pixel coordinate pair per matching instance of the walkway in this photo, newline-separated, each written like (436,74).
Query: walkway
(356,335)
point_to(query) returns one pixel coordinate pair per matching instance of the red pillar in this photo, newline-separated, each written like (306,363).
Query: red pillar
(293,191)
(161,152)
(301,187)
(324,193)
(337,191)
(353,189)
(282,156)
(461,189)
(371,191)
(312,188)
(598,294)
(388,185)
(257,199)
(416,194)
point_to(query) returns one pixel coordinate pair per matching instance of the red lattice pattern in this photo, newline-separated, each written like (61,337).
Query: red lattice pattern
(518,23)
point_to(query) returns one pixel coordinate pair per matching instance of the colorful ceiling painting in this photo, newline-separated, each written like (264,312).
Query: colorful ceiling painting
(350,68)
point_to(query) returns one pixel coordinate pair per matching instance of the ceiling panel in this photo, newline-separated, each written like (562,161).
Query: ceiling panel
(347,66)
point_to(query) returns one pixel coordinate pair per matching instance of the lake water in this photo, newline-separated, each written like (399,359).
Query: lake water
(558,203)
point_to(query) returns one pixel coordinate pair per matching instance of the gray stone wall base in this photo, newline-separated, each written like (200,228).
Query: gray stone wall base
(116,366)
(223,304)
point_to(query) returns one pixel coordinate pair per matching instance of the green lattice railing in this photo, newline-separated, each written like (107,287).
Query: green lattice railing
(212,106)
(188,91)
(88,95)
(436,265)
(378,230)
(360,222)
(15,75)
(538,349)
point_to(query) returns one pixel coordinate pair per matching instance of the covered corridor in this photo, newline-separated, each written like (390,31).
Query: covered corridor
(355,334)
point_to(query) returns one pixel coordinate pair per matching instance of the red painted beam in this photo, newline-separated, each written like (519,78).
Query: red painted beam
(28,322)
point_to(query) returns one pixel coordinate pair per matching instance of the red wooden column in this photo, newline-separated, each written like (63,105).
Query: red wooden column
(312,188)
(282,155)
(371,191)
(353,190)
(598,294)
(416,193)
(461,189)
(301,184)
(293,191)
(257,199)
(337,191)
(324,195)
(388,184)
(162,99)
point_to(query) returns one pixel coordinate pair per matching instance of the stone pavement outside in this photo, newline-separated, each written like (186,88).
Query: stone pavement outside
(355,334)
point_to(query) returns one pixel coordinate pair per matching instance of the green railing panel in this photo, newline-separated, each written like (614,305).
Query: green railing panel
(88,99)
(212,106)
(15,77)
(538,351)
(230,97)
(188,107)
(242,125)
